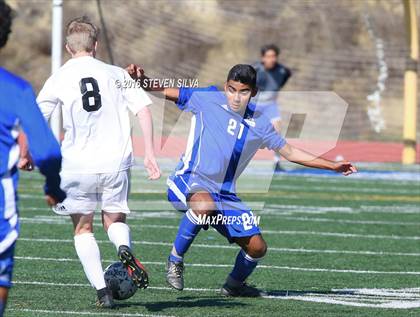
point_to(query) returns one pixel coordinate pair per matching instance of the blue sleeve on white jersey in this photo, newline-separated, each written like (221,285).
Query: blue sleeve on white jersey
(187,103)
(42,144)
(273,140)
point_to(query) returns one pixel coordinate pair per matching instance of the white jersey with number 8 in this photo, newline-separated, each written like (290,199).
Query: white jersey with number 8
(95,103)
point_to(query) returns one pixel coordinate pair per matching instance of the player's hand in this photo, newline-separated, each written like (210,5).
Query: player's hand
(344,167)
(51,201)
(152,167)
(135,71)
(26,163)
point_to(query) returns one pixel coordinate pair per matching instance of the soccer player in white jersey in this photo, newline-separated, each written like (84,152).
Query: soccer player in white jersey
(97,150)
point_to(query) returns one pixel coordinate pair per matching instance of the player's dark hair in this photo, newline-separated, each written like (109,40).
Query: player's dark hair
(6,16)
(243,73)
(270,47)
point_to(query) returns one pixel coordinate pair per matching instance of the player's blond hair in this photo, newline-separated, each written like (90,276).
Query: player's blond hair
(81,35)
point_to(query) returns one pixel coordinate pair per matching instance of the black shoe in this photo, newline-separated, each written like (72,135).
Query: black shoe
(243,290)
(105,299)
(135,269)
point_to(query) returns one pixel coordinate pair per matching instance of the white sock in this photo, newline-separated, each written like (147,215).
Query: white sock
(276,157)
(119,234)
(88,252)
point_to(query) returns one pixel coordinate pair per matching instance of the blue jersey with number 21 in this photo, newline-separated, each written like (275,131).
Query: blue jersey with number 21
(222,142)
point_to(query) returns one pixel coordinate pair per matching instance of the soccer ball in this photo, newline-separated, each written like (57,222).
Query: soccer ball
(119,282)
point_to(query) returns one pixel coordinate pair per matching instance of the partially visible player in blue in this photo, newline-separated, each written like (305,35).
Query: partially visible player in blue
(226,132)
(18,108)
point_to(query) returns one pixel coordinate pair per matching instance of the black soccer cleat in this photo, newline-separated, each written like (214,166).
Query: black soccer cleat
(135,269)
(243,290)
(104,299)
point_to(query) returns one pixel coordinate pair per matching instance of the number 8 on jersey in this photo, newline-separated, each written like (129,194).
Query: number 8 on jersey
(89,95)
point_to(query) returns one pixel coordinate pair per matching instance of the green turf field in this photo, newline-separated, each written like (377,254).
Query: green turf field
(337,247)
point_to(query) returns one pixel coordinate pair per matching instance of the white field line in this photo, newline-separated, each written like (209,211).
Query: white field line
(269,211)
(287,217)
(405,292)
(133,214)
(301,209)
(415,209)
(285,211)
(262,266)
(88,285)
(410,293)
(61,221)
(389,304)
(340,234)
(375,298)
(347,221)
(282,209)
(82,313)
(270,249)
(55,220)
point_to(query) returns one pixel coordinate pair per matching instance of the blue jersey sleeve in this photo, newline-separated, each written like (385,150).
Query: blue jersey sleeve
(272,140)
(186,102)
(43,146)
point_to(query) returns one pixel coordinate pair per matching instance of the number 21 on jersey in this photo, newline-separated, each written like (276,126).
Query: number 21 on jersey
(232,127)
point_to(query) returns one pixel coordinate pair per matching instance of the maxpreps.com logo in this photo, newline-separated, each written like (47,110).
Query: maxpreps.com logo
(248,221)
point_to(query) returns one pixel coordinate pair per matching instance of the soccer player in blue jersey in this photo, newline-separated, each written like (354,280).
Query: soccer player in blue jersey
(18,108)
(227,130)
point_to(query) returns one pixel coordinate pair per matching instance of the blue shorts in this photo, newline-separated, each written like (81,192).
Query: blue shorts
(6,266)
(233,218)
(271,111)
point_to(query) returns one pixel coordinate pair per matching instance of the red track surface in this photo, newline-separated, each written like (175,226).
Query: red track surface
(357,151)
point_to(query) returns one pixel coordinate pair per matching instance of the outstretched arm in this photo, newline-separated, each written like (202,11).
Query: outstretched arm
(137,73)
(146,124)
(301,157)
(138,102)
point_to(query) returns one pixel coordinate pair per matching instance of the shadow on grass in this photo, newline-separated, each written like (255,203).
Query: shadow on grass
(226,302)
(188,302)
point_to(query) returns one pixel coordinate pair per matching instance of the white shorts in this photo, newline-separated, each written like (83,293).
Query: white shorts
(86,191)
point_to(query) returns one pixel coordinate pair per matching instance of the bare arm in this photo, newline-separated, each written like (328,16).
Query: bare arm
(25,162)
(146,123)
(304,158)
(137,73)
